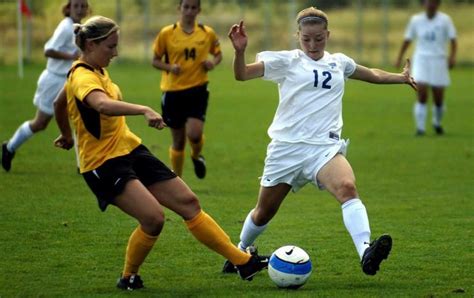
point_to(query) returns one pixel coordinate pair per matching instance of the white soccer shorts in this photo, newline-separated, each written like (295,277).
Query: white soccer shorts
(432,71)
(49,85)
(297,164)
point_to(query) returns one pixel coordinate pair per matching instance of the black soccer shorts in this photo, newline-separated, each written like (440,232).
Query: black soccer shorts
(109,180)
(178,106)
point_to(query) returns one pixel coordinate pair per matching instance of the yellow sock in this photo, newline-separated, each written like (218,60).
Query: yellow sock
(208,232)
(196,148)
(177,161)
(139,245)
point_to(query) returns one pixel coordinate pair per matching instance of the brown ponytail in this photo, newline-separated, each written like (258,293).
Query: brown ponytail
(95,29)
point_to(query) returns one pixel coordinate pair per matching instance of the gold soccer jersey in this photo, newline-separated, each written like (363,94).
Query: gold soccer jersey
(189,51)
(100,137)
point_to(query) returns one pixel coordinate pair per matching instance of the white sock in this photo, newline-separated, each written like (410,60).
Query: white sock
(249,232)
(419,112)
(357,224)
(437,115)
(22,134)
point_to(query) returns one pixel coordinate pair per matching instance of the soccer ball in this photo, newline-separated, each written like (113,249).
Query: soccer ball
(289,267)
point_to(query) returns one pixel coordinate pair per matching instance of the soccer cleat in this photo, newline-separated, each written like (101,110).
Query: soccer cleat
(252,267)
(199,166)
(230,268)
(7,157)
(130,283)
(375,254)
(419,133)
(438,129)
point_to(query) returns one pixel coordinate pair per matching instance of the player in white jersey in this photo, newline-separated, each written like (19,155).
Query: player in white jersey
(60,50)
(306,144)
(432,30)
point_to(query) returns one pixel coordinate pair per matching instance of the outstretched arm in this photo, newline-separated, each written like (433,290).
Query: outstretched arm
(378,76)
(100,102)
(242,71)
(65,140)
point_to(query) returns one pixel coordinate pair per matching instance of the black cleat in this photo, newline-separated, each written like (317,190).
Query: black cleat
(230,268)
(419,133)
(7,157)
(130,283)
(375,254)
(438,129)
(252,267)
(199,167)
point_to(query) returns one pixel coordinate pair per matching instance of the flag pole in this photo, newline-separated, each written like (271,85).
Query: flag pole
(20,40)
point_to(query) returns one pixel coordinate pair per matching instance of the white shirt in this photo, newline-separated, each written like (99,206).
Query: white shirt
(62,41)
(310,105)
(431,34)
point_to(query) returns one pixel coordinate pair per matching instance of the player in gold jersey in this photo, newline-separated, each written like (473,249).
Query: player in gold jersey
(182,52)
(121,171)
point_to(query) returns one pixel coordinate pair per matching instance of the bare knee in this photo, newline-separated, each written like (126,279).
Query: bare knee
(192,203)
(37,125)
(152,223)
(190,206)
(194,137)
(438,98)
(346,190)
(422,95)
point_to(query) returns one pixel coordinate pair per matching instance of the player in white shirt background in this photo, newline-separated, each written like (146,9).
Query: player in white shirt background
(61,51)
(432,30)
(306,144)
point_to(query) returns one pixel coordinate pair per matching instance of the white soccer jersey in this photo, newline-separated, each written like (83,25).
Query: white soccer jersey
(63,41)
(431,34)
(310,105)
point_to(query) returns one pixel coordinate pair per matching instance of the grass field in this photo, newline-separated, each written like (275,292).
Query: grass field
(54,241)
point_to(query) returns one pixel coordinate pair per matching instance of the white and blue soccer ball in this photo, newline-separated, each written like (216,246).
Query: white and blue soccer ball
(289,267)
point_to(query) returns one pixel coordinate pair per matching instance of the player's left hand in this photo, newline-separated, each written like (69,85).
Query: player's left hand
(451,62)
(154,119)
(408,78)
(208,65)
(64,142)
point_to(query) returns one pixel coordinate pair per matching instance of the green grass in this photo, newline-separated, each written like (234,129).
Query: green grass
(54,241)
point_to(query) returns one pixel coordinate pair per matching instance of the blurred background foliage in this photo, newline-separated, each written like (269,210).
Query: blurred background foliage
(370,31)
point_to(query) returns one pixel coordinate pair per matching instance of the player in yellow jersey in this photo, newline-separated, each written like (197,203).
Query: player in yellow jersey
(182,52)
(118,168)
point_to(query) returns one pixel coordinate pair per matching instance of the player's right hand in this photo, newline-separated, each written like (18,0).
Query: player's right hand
(175,69)
(238,36)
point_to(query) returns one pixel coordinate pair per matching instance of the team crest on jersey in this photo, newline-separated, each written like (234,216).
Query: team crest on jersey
(333,65)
